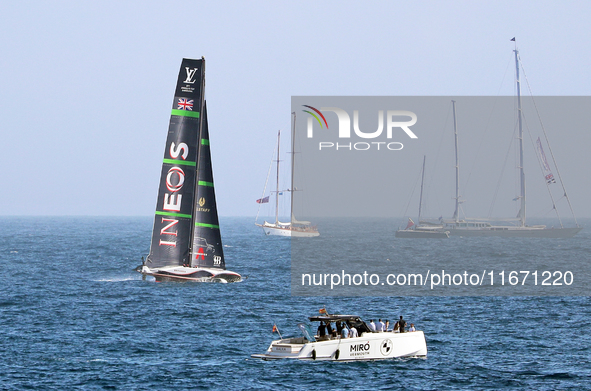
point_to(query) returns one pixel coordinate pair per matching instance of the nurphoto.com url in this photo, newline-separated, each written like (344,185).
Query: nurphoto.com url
(442,278)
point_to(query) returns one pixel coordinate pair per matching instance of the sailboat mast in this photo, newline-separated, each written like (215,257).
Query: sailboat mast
(197,165)
(457,211)
(520,137)
(422,182)
(277,182)
(292,165)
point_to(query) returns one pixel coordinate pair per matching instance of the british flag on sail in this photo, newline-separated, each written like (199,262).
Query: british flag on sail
(185,104)
(547,172)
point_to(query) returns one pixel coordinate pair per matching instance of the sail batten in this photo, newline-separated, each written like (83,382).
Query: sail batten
(181,162)
(173,214)
(185,113)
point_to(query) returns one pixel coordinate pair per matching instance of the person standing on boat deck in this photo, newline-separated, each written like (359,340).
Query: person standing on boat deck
(380,326)
(321,330)
(396,328)
(353,333)
(412,327)
(339,328)
(372,326)
(345,332)
(328,330)
(401,324)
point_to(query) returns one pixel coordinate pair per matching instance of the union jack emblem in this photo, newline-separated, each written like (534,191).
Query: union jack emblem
(185,104)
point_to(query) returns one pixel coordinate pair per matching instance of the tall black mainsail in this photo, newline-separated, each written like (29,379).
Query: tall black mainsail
(176,194)
(186,241)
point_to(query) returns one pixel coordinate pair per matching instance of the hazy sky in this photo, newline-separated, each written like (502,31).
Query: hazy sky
(87,86)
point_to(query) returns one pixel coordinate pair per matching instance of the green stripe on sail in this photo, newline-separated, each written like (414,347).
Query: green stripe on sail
(203,183)
(173,214)
(206,225)
(204,141)
(180,162)
(185,113)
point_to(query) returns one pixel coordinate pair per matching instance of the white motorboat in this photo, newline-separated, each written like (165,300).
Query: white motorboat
(368,345)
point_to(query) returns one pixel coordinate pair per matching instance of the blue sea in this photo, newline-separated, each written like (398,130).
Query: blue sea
(74,315)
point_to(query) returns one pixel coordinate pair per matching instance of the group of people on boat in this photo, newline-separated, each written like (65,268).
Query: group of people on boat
(399,326)
(344,329)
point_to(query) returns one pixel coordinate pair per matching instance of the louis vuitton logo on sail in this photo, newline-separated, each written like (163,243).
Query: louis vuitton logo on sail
(344,129)
(190,75)
(190,79)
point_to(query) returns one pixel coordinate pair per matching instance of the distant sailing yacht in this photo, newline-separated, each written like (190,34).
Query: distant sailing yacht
(479,227)
(293,228)
(422,230)
(186,241)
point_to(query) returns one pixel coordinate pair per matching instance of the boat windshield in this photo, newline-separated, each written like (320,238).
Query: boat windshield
(307,332)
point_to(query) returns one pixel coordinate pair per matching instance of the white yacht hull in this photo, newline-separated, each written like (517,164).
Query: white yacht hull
(515,232)
(369,346)
(183,273)
(289,231)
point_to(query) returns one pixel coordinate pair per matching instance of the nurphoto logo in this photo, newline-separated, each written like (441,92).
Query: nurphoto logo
(395,120)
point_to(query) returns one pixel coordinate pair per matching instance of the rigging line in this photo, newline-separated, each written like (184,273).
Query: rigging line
(494,200)
(463,212)
(487,126)
(430,179)
(549,211)
(549,147)
(266,182)
(539,159)
(411,196)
